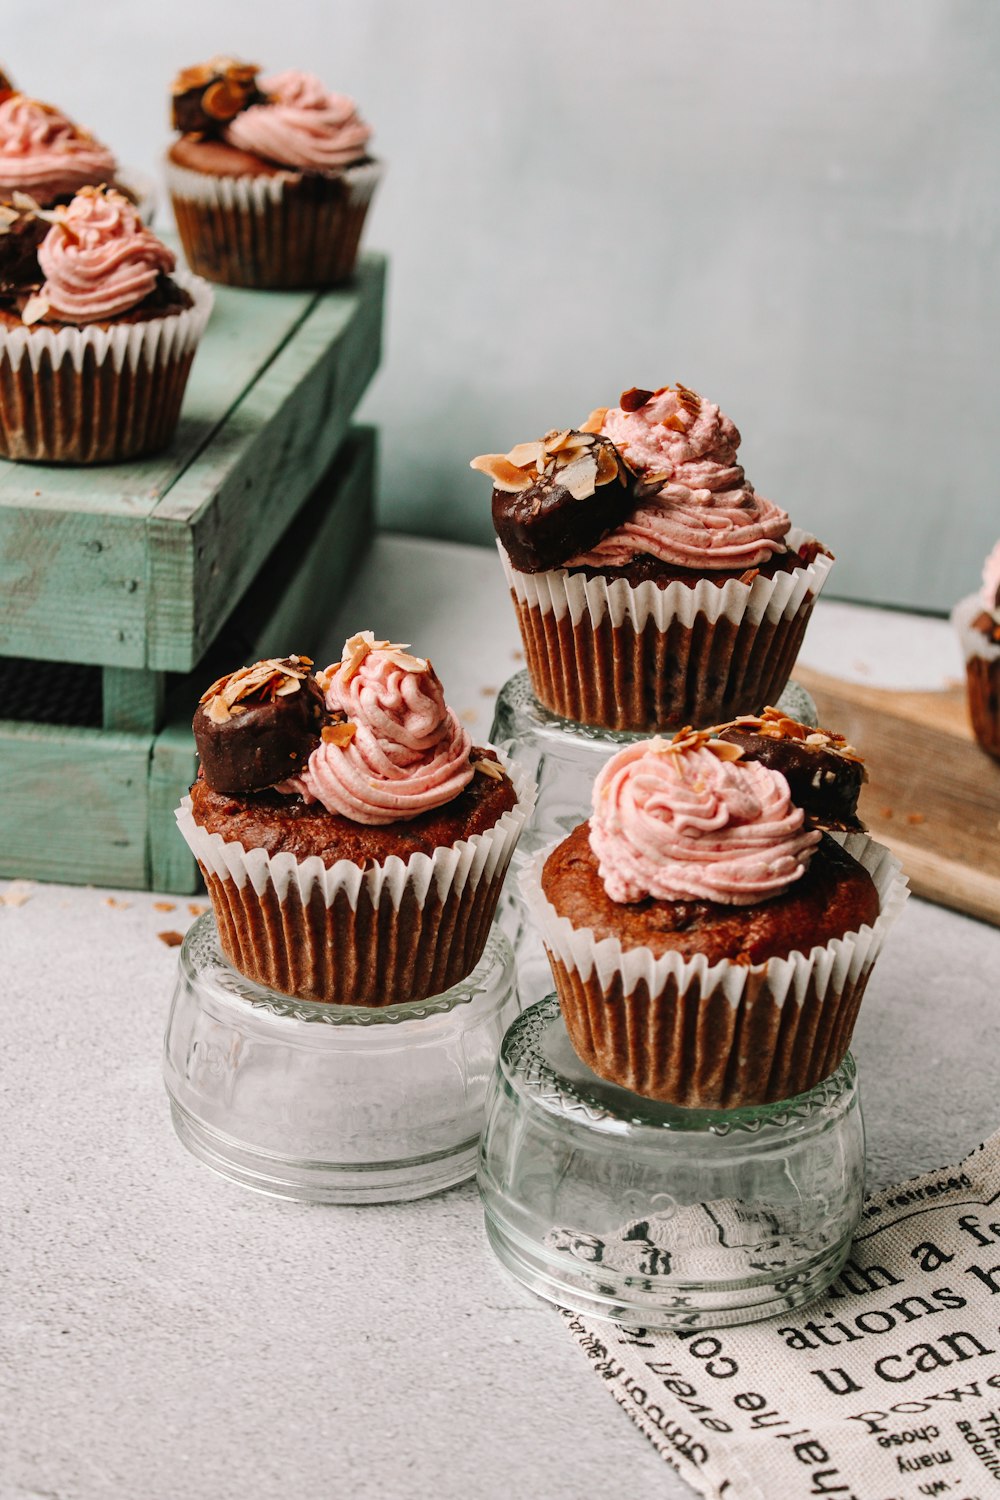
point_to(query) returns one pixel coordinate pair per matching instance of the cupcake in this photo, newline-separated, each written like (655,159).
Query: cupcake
(977,619)
(271,181)
(710,945)
(353,840)
(97,331)
(671,593)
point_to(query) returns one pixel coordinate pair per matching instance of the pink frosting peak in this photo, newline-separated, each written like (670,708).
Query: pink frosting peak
(990,593)
(676,821)
(302,125)
(99,259)
(408,753)
(706,514)
(43,153)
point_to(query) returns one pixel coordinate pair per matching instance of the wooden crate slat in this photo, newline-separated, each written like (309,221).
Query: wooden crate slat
(90,558)
(264,462)
(75,804)
(132,699)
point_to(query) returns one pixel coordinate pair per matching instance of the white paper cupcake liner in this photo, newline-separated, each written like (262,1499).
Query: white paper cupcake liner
(284,229)
(974,643)
(766,1002)
(371,936)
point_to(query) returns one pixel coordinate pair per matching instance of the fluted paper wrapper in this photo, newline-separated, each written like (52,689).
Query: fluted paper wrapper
(631,656)
(393,932)
(96,395)
(982,674)
(714,1036)
(287,229)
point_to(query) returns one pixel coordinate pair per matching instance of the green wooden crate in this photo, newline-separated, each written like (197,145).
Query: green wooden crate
(134,568)
(86,804)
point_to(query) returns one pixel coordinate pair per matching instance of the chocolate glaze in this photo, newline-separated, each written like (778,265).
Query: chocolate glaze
(205,98)
(823,781)
(545,525)
(269,741)
(19,268)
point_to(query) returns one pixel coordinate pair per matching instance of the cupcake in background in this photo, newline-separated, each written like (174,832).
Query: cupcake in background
(48,156)
(353,841)
(659,590)
(977,620)
(270,181)
(97,331)
(710,944)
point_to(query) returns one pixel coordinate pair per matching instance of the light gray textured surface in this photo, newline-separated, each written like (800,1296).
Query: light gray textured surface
(165,1333)
(792,207)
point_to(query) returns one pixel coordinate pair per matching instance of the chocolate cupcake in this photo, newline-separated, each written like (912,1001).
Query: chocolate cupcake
(824,773)
(97,331)
(676,596)
(977,620)
(353,841)
(710,948)
(270,181)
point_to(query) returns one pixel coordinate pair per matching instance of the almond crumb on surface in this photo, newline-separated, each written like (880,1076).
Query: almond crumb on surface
(164,906)
(197,908)
(487,692)
(468,716)
(517,655)
(115,904)
(885,812)
(916,817)
(17,893)
(171,938)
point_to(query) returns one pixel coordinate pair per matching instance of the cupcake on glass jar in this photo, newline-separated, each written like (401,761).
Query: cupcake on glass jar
(353,841)
(97,331)
(977,620)
(660,592)
(710,944)
(270,180)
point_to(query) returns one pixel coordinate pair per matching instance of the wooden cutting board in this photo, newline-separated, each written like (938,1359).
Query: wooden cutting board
(932,795)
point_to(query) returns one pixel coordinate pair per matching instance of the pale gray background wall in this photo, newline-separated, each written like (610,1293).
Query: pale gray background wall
(791,205)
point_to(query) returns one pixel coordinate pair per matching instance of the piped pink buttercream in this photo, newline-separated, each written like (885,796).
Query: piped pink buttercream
(44,154)
(990,592)
(706,515)
(409,753)
(302,125)
(683,824)
(99,259)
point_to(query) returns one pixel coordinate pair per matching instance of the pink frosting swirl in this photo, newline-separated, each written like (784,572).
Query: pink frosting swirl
(683,824)
(409,753)
(707,515)
(99,259)
(43,153)
(990,593)
(301,126)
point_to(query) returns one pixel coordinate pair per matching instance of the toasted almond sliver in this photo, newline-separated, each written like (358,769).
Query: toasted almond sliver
(595,421)
(489,768)
(291,686)
(526,455)
(555,439)
(340,735)
(217,711)
(607,465)
(580,476)
(34,309)
(505,475)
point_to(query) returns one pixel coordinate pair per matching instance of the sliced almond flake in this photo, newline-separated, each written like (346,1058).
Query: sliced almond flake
(580,476)
(405,662)
(216,687)
(340,735)
(676,422)
(505,475)
(595,421)
(490,768)
(291,686)
(34,309)
(555,439)
(607,465)
(238,708)
(526,455)
(688,398)
(217,711)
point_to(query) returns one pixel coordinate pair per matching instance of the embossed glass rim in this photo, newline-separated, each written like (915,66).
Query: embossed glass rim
(517,695)
(561,1097)
(203,961)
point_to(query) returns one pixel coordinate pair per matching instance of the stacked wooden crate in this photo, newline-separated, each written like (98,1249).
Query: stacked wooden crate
(117,582)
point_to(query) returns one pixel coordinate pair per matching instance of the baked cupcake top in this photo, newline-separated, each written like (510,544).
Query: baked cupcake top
(686,504)
(689,819)
(370,739)
(824,773)
(287,120)
(44,153)
(90,261)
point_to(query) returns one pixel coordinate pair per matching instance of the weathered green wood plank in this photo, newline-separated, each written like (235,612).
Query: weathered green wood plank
(132,699)
(209,532)
(89,558)
(75,805)
(286,609)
